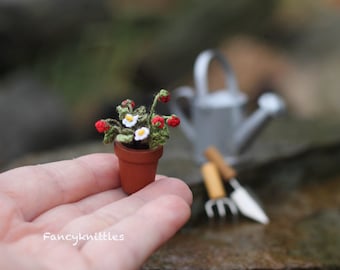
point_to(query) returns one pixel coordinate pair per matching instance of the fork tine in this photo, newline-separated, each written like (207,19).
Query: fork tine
(209,208)
(220,208)
(231,205)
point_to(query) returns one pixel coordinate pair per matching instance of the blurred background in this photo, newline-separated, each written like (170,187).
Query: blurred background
(64,64)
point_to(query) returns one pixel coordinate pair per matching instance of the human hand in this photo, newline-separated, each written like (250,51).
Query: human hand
(83,196)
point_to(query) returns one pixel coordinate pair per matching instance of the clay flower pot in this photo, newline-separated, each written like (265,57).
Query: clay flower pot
(138,137)
(137,167)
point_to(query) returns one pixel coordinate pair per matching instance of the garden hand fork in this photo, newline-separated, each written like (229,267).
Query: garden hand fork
(214,185)
(242,199)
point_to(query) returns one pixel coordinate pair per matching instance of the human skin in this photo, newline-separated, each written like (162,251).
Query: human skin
(83,196)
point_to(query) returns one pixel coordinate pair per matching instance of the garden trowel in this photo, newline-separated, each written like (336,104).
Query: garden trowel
(243,200)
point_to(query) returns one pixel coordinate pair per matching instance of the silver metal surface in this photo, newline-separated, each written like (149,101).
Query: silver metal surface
(246,204)
(219,117)
(220,206)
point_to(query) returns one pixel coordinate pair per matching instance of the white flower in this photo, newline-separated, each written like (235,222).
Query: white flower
(130,120)
(141,133)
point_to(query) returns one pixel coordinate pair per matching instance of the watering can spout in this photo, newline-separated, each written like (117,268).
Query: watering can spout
(270,105)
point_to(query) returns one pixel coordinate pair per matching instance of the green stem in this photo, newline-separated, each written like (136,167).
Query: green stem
(152,109)
(114,122)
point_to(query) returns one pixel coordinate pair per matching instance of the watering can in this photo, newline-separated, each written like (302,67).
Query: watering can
(219,117)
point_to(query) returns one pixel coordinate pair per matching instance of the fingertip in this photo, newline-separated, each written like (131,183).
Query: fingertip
(172,185)
(179,211)
(183,189)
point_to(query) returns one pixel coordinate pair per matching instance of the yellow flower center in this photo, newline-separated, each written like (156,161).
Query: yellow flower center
(141,132)
(129,117)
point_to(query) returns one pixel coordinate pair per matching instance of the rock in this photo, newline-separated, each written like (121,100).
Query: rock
(303,234)
(32,117)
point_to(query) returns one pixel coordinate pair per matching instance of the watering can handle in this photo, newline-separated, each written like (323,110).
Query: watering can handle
(184,92)
(201,67)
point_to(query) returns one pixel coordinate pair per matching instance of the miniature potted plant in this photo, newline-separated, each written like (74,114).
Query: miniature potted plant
(138,138)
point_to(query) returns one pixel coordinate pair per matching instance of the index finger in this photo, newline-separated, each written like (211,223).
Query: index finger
(38,188)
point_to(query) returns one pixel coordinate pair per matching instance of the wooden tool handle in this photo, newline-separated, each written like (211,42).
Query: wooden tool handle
(212,181)
(213,155)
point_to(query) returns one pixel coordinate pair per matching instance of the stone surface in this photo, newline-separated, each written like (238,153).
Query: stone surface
(303,234)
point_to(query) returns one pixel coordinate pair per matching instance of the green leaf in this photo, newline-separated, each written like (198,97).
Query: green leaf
(111,134)
(122,111)
(108,138)
(142,120)
(127,131)
(158,136)
(140,110)
(124,138)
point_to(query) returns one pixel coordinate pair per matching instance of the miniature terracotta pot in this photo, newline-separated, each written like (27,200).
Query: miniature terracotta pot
(137,167)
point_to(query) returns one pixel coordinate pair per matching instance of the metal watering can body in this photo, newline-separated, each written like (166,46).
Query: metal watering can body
(218,118)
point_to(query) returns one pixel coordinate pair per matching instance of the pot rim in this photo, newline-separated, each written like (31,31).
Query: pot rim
(137,155)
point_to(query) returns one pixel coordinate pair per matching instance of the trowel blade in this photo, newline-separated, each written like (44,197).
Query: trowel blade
(247,205)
